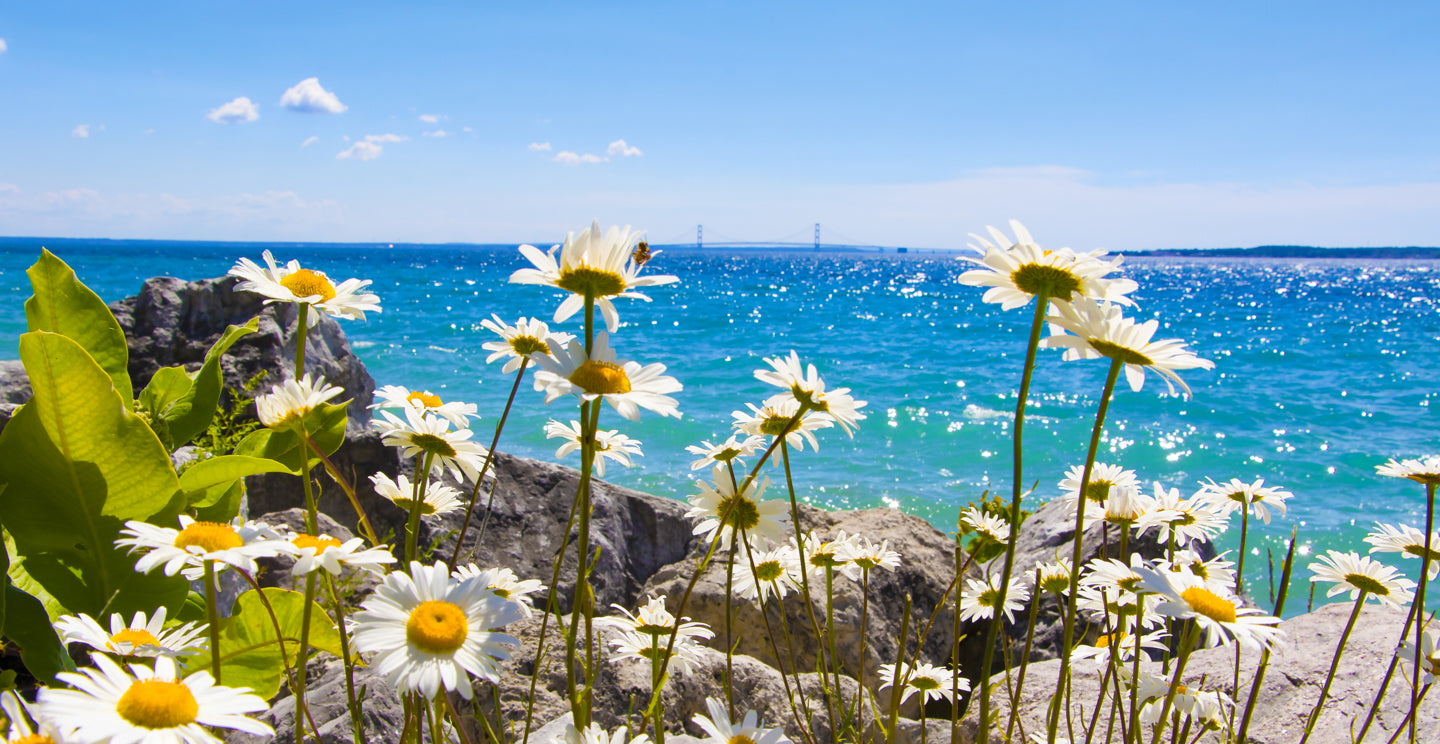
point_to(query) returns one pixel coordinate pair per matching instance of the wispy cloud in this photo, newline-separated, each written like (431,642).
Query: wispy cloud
(429,118)
(539,147)
(81,132)
(566,157)
(86,211)
(9,188)
(369,148)
(309,141)
(618,147)
(3,47)
(437,133)
(238,111)
(388,139)
(308,97)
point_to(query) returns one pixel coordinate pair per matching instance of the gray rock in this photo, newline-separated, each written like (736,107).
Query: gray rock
(275,572)
(326,699)
(14,384)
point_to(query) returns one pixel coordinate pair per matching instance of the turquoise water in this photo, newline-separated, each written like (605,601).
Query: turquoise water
(1324,369)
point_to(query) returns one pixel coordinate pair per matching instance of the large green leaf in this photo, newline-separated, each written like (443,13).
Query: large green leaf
(207,481)
(62,304)
(195,410)
(220,504)
(249,652)
(79,465)
(28,626)
(325,423)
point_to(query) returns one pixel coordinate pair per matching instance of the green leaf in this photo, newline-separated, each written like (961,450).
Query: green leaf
(249,652)
(326,424)
(27,624)
(198,407)
(4,568)
(223,507)
(78,466)
(221,472)
(62,304)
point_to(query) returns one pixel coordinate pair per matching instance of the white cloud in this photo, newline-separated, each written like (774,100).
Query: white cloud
(618,147)
(437,133)
(385,138)
(308,97)
(467,130)
(238,111)
(360,151)
(429,118)
(539,147)
(82,131)
(569,158)
(309,141)
(9,188)
(3,48)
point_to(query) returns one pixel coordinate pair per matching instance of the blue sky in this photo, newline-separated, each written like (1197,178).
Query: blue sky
(1118,125)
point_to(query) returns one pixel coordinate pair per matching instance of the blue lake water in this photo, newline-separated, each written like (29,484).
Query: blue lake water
(1324,368)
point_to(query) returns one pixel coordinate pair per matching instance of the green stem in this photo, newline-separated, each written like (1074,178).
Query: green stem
(898,679)
(489,458)
(303,652)
(417,501)
(302,327)
(805,567)
(356,721)
(729,640)
(551,609)
(1186,646)
(864,613)
(212,614)
(1025,656)
(1042,303)
(1334,664)
(1420,607)
(284,655)
(1265,655)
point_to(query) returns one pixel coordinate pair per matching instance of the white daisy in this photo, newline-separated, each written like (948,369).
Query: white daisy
(421,434)
(1429,658)
(1121,644)
(774,420)
(610,444)
(592,264)
(322,551)
(1204,706)
(1017,270)
(1237,495)
(109,704)
(1407,541)
(721,730)
(991,527)
(438,499)
(518,342)
(682,655)
(932,682)
(17,728)
(979,600)
(623,384)
(294,284)
(1124,509)
(654,619)
(1114,593)
(770,576)
(1054,577)
(1424,470)
(1219,613)
(719,507)
(141,637)
(1102,330)
(806,386)
(1361,574)
(186,550)
(1217,570)
(429,632)
(287,404)
(1104,480)
(726,451)
(861,552)
(594,734)
(1188,519)
(821,556)
(503,583)
(396,396)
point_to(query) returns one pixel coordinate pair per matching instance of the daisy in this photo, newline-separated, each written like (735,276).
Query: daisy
(17,728)
(594,734)
(721,730)
(1237,494)
(1054,577)
(141,637)
(1204,706)
(528,336)
(1104,479)
(395,396)
(1362,576)
(1102,330)
(186,550)
(109,704)
(623,384)
(932,682)
(610,444)
(980,598)
(807,388)
(1122,644)
(1017,270)
(656,649)
(1124,509)
(720,508)
(429,632)
(592,264)
(1187,519)
(770,576)
(726,451)
(1407,541)
(991,527)
(1217,570)
(503,583)
(1114,592)
(1218,612)
(421,434)
(438,499)
(867,555)
(303,286)
(774,420)
(821,556)
(1429,658)
(1425,470)
(322,551)
(287,404)
(654,620)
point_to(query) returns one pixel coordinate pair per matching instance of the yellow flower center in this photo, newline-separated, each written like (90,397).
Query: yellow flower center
(1108,639)
(769,571)
(1130,583)
(740,739)
(405,502)
(158,704)
(437,627)
(526,345)
(33,739)
(601,378)
(499,592)
(320,543)
(591,282)
(307,283)
(211,537)
(1367,584)
(1037,279)
(1209,604)
(988,598)
(1055,583)
(1120,353)
(1418,550)
(427,399)
(435,445)
(135,637)
(924,684)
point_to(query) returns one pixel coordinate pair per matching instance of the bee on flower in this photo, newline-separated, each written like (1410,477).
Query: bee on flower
(592,265)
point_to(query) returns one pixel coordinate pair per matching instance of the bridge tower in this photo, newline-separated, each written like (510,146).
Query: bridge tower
(817,236)
(699,236)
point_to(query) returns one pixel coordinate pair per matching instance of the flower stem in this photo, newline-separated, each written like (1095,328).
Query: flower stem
(1186,646)
(1420,606)
(1265,655)
(1334,664)
(302,326)
(1025,656)
(489,458)
(417,501)
(805,568)
(356,721)
(1042,303)
(212,614)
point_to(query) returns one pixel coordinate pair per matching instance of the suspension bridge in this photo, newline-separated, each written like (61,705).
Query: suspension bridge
(708,238)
